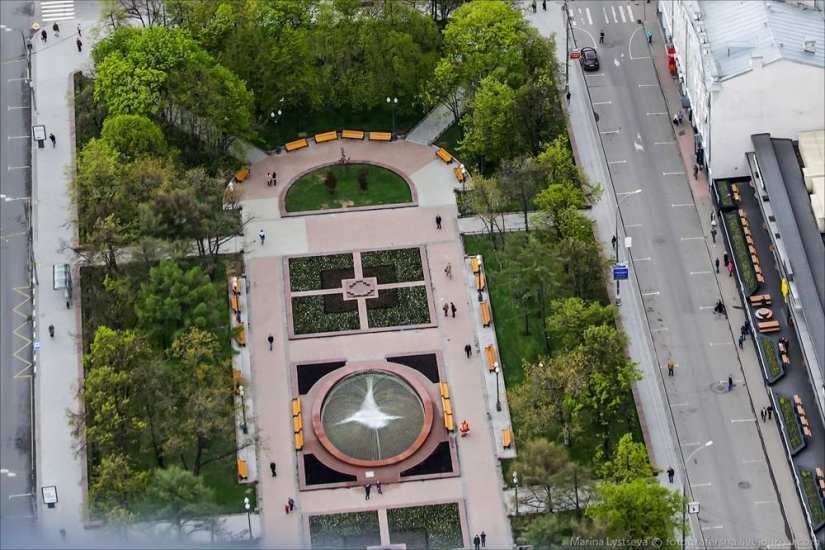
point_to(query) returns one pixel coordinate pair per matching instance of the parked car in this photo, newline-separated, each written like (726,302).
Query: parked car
(589,59)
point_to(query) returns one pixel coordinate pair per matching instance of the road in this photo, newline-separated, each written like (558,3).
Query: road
(16,383)
(672,258)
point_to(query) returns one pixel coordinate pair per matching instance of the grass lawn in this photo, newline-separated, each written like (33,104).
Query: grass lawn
(310,193)
(449,139)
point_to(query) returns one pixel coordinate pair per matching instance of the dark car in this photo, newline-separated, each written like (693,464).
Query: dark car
(589,59)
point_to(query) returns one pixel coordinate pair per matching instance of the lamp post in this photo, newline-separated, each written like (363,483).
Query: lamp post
(684,489)
(498,396)
(244,428)
(27,212)
(566,15)
(248,507)
(616,234)
(392,103)
(275,118)
(515,485)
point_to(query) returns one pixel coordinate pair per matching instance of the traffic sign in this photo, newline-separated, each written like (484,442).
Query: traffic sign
(36,345)
(620,272)
(693,507)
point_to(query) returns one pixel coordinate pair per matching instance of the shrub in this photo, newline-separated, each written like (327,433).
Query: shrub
(307,273)
(363,180)
(811,491)
(740,249)
(332,531)
(439,523)
(331,181)
(774,365)
(792,429)
(724,194)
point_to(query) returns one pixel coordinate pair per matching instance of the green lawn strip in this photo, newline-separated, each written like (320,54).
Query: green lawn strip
(306,273)
(724,194)
(412,308)
(450,138)
(791,423)
(222,477)
(775,368)
(740,248)
(309,192)
(439,523)
(310,317)
(406,263)
(812,496)
(334,530)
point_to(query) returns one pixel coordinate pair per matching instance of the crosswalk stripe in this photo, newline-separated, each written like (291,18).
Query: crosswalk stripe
(630,13)
(589,17)
(621,12)
(57,10)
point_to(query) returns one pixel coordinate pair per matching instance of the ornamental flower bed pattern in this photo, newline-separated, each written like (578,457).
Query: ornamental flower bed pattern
(791,425)
(309,317)
(740,249)
(307,273)
(775,368)
(812,497)
(438,526)
(352,530)
(724,195)
(411,309)
(406,264)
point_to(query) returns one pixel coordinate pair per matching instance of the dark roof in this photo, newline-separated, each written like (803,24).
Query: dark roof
(782,177)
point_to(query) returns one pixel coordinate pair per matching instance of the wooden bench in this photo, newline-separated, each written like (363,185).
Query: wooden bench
(490,353)
(459,174)
(744,222)
(747,231)
(807,432)
(448,422)
(486,314)
(445,391)
(755,259)
(243,470)
(352,134)
(233,301)
(242,335)
(785,359)
(476,265)
(444,155)
(822,486)
(380,136)
(752,250)
(797,400)
(448,408)
(297,144)
(760,278)
(326,136)
(296,406)
(757,270)
(506,438)
(749,240)
(737,197)
(241,174)
(299,441)
(742,213)
(819,473)
(800,411)
(734,188)
(768,326)
(297,424)
(804,421)
(236,379)
(480,281)
(760,300)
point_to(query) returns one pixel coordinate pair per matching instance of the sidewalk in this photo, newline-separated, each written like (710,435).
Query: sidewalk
(432,126)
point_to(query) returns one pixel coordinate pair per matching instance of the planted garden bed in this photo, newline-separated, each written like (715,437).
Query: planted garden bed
(437,526)
(310,316)
(352,530)
(411,308)
(393,266)
(740,250)
(773,364)
(308,273)
(791,424)
(724,195)
(813,497)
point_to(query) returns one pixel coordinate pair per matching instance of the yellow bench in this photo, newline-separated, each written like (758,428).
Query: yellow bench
(744,222)
(797,400)
(380,136)
(448,408)
(737,197)
(299,441)
(819,473)
(242,335)
(296,406)
(236,379)
(785,359)
(241,174)
(806,431)
(236,306)
(768,326)
(734,188)
(475,264)
(352,134)
(444,155)
(459,174)
(445,391)
(243,471)
(480,281)
(486,314)
(490,353)
(327,136)
(760,300)
(755,259)
(757,269)
(760,278)
(742,213)
(297,424)
(297,144)
(448,422)
(506,438)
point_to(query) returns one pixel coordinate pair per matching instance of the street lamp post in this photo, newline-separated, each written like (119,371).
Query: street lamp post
(616,234)
(393,102)
(275,118)
(515,485)
(566,15)
(27,212)
(684,490)
(244,428)
(248,507)
(498,395)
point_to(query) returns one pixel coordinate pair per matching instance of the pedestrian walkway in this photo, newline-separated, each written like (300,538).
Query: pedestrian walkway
(512,221)
(432,126)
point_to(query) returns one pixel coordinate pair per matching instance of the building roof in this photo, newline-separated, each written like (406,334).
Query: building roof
(739,30)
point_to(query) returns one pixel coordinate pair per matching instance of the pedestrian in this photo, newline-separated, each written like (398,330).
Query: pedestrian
(748,327)
(725,260)
(468,349)
(438,221)
(567,95)
(53,140)
(274,179)
(56,30)
(730,269)
(712,215)
(695,171)
(717,265)
(744,330)
(262,235)
(79,45)
(764,414)
(78,30)
(29,44)
(741,341)
(269,179)
(601,37)
(770,411)
(449,271)
(670,366)
(270,339)
(367,489)
(378,487)
(63,534)
(44,36)
(670,473)
(543,7)
(476,542)
(713,235)
(730,383)
(680,115)
(286,508)
(291,503)
(483,534)
(446,309)
(613,241)
(453,309)
(534,6)
(272,469)
(51,331)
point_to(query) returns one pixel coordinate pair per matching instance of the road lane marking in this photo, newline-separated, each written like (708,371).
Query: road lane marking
(621,12)
(646,85)
(18,79)
(618,162)
(751,461)
(589,17)
(663,329)
(673,173)
(696,444)
(758,502)
(692,485)
(597,74)
(630,13)
(19,137)
(18,168)
(681,205)
(609,132)
(680,404)
(630,225)
(713,527)
(706,307)
(655,114)
(736,420)
(603,103)
(606,18)
(664,143)
(641,259)
(613,9)
(651,293)
(695,239)
(720,344)
(18,108)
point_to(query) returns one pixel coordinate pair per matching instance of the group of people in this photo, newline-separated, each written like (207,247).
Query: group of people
(480,541)
(271,179)
(44,36)
(678,117)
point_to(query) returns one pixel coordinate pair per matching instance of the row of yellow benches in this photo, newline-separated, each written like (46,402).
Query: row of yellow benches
(297,424)
(806,428)
(447,406)
(751,246)
(332,136)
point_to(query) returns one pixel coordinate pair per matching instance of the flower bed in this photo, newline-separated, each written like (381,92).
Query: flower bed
(440,524)
(812,497)
(791,424)
(307,273)
(740,249)
(352,530)
(411,308)
(775,368)
(724,195)
(405,261)
(310,317)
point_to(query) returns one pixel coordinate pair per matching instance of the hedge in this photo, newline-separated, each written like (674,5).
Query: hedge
(776,369)
(724,194)
(440,524)
(740,249)
(306,273)
(813,498)
(791,423)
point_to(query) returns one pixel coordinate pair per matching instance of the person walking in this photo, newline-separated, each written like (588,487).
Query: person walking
(270,339)
(764,414)
(438,221)
(601,37)
(613,241)
(367,489)
(286,508)
(453,309)
(78,30)
(744,330)
(725,259)
(56,30)
(378,487)
(79,45)
(468,349)
(741,341)
(713,234)
(649,41)
(717,265)
(269,179)
(483,534)
(44,36)
(29,45)
(476,542)
(567,95)
(730,383)
(670,473)
(53,139)
(274,179)
(446,308)
(449,271)
(544,8)
(770,411)
(534,6)
(291,503)
(51,331)
(670,366)
(272,468)
(262,235)
(748,326)
(730,269)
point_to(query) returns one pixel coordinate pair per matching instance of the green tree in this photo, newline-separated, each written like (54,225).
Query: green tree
(550,478)
(487,126)
(180,498)
(115,488)
(583,269)
(133,136)
(487,200)
(630,461)
(521,180)
(555,201)
(126,88)
(331,182)
(549,531)
(95,183)
(570,317)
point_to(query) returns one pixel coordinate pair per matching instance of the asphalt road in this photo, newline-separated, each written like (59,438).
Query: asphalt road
(672,258)
(16,441)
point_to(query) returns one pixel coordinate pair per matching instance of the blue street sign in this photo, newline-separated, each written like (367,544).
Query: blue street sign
(620,272)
